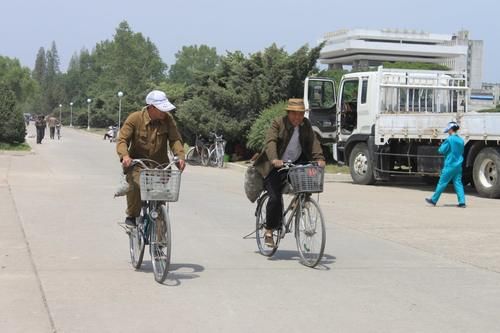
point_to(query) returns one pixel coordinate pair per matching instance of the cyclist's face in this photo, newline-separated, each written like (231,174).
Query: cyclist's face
(295,117)
(156,114)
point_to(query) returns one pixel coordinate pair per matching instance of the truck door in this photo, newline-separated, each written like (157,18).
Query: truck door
(348,106)
(320,101)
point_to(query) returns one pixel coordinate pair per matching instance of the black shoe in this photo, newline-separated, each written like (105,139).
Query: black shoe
(430,202)
(462,205)
(130,222)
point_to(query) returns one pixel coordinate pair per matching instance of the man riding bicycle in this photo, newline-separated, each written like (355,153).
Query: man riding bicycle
(145,134)
(290,139)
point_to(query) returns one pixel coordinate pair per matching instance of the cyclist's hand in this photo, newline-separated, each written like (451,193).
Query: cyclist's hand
(277,163)
(126,161)
(181,164)
(321,163)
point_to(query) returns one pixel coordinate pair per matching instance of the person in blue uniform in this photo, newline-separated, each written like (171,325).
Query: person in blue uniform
(453,150)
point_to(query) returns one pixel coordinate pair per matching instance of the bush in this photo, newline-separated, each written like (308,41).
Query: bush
(12,126)
(101,120)
(196,116)
(259,129)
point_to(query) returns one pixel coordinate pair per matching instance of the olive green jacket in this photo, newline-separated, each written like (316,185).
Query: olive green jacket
(141,137)
(277,139)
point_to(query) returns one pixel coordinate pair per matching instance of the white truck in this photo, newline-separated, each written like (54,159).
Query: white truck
(390,122)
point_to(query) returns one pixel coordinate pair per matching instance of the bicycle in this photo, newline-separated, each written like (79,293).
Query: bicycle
(216,151)
(198,154)
(158,185)
(303,210)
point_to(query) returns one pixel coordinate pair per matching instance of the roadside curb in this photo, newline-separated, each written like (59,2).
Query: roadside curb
(329,177)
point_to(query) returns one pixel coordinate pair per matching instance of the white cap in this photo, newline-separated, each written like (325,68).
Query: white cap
(159,100)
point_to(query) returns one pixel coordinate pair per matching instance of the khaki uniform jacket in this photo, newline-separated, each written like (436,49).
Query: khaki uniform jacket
(277,140)
(140,137)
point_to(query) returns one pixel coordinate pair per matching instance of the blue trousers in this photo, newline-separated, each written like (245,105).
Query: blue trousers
(448,175)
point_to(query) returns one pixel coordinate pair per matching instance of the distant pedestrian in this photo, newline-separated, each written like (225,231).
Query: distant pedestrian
(40,125)
(453,150)
(52,122)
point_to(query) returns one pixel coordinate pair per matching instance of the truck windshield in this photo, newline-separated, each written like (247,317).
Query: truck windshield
(321,94)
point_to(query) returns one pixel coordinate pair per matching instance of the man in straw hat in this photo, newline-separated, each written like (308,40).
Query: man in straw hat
(290,139)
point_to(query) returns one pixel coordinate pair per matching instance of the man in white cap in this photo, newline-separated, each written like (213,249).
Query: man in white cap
(146,134)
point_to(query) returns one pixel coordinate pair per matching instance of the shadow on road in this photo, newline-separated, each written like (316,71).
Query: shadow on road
(176,273)
(326,261)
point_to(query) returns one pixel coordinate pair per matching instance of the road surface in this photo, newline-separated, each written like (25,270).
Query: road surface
(391,263)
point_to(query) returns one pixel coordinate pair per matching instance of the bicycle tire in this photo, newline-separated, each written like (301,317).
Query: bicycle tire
(136,245)
(260,220)
(161,249)
(220,156)
(204,156)
(213,158)
(309,217)
(192,156)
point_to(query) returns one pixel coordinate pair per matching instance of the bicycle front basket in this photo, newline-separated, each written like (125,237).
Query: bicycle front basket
(306,179)
(160,185)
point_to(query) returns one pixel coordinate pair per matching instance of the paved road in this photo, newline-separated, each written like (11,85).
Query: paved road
(391,264)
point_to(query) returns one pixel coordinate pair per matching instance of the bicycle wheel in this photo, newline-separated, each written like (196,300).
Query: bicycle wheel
(204,156)
(192,157)
(310,232)
(161,245)
(220,156)
(260,229)
(136,244)
(213,158)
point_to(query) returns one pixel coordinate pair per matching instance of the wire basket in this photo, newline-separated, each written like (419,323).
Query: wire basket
(306,179)
(160,185)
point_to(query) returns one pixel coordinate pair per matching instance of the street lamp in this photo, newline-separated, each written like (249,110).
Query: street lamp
(88,113)
(120,95)
(71,114)
(60,108)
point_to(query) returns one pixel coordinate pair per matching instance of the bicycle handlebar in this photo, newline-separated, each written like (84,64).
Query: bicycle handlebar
(288,164)
(142,163)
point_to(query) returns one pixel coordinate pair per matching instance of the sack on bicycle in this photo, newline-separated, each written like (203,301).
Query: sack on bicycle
(254,183)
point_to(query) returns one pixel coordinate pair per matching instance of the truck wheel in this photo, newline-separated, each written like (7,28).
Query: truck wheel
(486,173)
(361,166)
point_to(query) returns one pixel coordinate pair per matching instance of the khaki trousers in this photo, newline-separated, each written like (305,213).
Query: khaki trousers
(134,193)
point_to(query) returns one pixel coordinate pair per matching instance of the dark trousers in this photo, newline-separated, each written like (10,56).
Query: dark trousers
(40,133)
(274,184)
(52,132)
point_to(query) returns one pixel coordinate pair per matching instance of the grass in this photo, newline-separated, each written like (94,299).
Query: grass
(335,168)
(490,110)
(15,146)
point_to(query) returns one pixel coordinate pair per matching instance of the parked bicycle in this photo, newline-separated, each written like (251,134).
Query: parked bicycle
(199,153)
(303,215)
(216,151)
(159,185)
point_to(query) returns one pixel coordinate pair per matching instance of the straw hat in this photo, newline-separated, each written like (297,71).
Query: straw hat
(296,104)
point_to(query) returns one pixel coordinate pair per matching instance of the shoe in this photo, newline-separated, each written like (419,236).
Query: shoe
(462,205)
(268,240)
(130,222)
(430,202)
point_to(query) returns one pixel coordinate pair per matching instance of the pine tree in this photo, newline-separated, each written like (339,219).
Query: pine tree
(40,66)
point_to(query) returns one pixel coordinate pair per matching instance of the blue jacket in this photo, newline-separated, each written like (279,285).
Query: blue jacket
(453,150)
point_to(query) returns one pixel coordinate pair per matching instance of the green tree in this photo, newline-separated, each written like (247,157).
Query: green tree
(258,131)
(17,78)
(12,126)
(193,61)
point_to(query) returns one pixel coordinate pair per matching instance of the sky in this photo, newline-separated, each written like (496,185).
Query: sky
(249,26)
